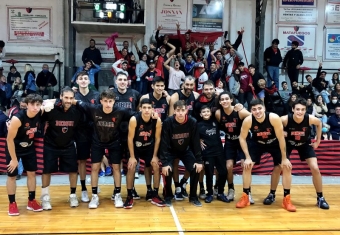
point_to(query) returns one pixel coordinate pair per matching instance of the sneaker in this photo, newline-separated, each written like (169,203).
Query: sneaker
(18,177)
(148,196)
(136,175)
(321,203)
(184,191)
(167,201)
(215,191)
(84,196)
(94,203)
(158,201)
(128,203)
(113,196)
(13,209)
(202,194)
(178,194)
(46,202)
(243,202)
(231,194)
(108,171)
(135,194)
(209,199)
(34,206)
(122,173)
(269,199)
(222,198)
(251,200)
(195,201)
(101,173)
(287,204)
(73,200)
(118,201)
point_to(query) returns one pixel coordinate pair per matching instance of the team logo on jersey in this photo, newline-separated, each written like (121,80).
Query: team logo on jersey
(64,129)
(138,144)
(114,119)
(256,127)
(223,118)
(29,10)
(92,101)
(164,106)
(131,99)
(141,127)
(27,125)
(181,141)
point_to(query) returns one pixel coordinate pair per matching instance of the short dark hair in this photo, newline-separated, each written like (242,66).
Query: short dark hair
(145,101)
(108,94)
(12,67)
(301,101)
(66,89)
(189,54)
(204,107)
(251,66)
(324,72)
(276,41)
(284,82)
(240,64)
(255,102)
(295,43)
(179,103)
(157,79)
(308,75)
(32,99)
(92,40)
(2,43)
(82,73)
(121,73)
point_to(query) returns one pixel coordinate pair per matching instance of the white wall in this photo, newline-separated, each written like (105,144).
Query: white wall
(34,51)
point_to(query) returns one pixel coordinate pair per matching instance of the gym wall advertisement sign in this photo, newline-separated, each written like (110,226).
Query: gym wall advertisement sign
(170,12)
(304,35)
(332,44)
(297,12)
(207,15)
(27,24)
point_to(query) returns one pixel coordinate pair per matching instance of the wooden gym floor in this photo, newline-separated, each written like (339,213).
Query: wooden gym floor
(145,218)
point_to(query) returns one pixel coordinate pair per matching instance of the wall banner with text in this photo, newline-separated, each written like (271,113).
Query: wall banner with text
(332,44)
(207,15)
(333,12)
(170,12)
(310,3)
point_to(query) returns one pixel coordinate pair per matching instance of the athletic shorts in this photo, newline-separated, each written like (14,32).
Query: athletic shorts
(233,151)
(257,150)
(60,160)
(83,150)
(305,151)
(29,160)
(114,153)
(145,154)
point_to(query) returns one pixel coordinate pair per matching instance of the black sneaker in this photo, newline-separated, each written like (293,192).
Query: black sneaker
(222,198)
(321,203)
(202,193)
(195,201)
(148,196)
(128,203)
(178,194)
(167,201)
(135,194)
(269,199)
(184,191)
(209,199)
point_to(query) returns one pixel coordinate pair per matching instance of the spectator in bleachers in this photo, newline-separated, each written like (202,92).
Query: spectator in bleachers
(132,71)
(245,94)
(17,90)
(46,82)
(91,68)
(232,59)
(310,107)
(29,80)
(92,54)
(207,54)
(259,82)
(214,74)
(221,87)
(273,58)
(334,124)
(332,105)
(139,52)
(12,74)
(306,91)
(234,83)
(334,80)
(2,54)
(296,89)
(141,68)
(336,91)
(148,76)
(284,93)
(293,61)
(321,109)
(175,75)
(320,84)
(7,88)
(290,102)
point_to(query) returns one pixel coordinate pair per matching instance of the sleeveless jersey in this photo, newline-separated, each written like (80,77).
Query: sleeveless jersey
(231,125)
(188,100)
(298,133)
(128,100)
(263,133)
(144,133)
(160,106)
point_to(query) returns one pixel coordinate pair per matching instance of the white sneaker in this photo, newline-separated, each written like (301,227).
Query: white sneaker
(118,200)
(94,203)
(73,200)
(45,202)
(84,196)
(231,194)
(251,200)
(136,175)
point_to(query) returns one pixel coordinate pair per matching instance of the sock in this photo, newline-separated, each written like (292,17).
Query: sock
(45,190)
(83,185)
(11,198)
(319,194)
(94,190)
(149,187)
(286,192)
(183,181)
(231,186)
(117,190)
(215,186)
(155,192)
(31,195)
(129,191)
(273,191)
(201,185)
(250,189)
(177,184)
(246,190)
(73,190)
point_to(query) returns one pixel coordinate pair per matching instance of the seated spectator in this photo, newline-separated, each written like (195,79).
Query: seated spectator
(258,84)
(296,88)
(284,93)
(13,74)
(18,92)
(336,91)
(7,88)
(29,80)
(310,107)
(331,105)
(45,82)
(3,120)
(307,91)
(334,80)
(321,109)
(321,85)
(290,102)
(91,68)
(334,124)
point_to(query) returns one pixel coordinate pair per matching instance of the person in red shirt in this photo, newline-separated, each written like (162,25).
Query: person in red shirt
(246,85)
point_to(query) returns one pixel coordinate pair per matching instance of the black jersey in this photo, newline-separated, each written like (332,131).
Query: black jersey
(27,130)
(298,133)
(263,133)
(231,125)
(189,100)
(128,100)
(62,126)
(106,126)
(91,97)
(178,138)
(160,106)
(209,133)
(144,133)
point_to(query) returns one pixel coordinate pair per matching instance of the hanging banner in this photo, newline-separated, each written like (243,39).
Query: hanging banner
(27,24)
(332,44)
(297,2)
(333,13)
(305,35)
(170,12)
(207,15)
(298,15)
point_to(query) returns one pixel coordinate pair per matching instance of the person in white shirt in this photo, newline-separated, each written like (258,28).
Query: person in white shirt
(202,78)
(175,75)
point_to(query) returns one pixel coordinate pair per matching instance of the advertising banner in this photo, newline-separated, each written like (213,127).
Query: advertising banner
(170,12)
(332,44)
(207,15)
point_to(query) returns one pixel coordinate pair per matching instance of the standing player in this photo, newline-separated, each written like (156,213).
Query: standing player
(267,137)
(298,128)
(84,133)
(230,122)
(143,141)
(180,139)
(59,150)
(21,132)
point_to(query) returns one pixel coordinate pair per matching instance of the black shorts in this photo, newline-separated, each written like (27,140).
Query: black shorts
(67,158)
(233,151)
(29,160)
(83,150)
(187,158)
(257,150)
(145,154)
(305,151)
(114,153)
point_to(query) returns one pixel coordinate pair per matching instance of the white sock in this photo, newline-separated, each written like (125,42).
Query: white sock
(45,191)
